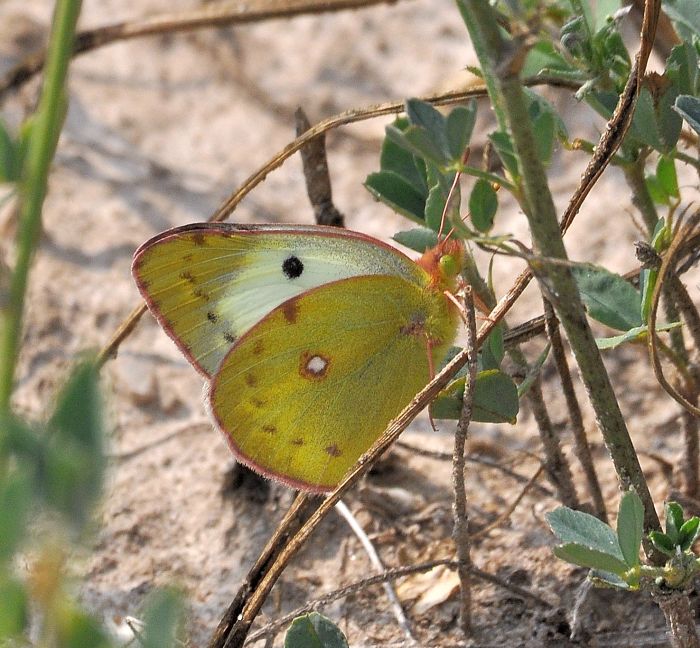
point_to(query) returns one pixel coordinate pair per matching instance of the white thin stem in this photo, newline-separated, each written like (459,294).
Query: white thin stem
(401,619)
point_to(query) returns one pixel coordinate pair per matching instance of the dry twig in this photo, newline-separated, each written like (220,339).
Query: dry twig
(460,532)
(373,556)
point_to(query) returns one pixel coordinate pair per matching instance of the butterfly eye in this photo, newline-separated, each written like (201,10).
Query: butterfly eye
(292,267)
(449,266)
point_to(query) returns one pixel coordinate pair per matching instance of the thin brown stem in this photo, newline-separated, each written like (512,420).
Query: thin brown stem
(460,533)
(318,180)
(689,423)
(220,14)
(634,174)
(389,575)
(581,447)
(508,511)
(685,306)
(288,526)
(683,231)
(555,464)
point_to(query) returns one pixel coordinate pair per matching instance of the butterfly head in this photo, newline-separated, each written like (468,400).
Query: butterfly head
(443,263)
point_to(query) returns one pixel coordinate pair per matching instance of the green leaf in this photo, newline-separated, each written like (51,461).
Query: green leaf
(608,297)
(495,399)
(421,143)
(688,533)
(483,204)
(656,190)
(314,631)
(493,351)
(607,579)
(637,334)
(689,108)
(504,147)
(644,124)
(435,207)
(545,57)
(630,527)
(163,619)
(682,68)
(575,35)
(663,543)
(533,371)
(674,520)
(459,127)
(395,192)
(15,501)
(577,527)
(418,239)
(543,130)
(592,558)
(421,113)
(14,609)
(75,459)
(654,123)
(9,170)
(670,122)
(82,631)
(403,163)
(686,15)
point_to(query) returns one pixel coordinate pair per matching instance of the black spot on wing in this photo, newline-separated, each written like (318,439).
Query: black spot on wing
(292,267)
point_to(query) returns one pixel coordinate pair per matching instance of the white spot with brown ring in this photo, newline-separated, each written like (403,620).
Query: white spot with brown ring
(313,365)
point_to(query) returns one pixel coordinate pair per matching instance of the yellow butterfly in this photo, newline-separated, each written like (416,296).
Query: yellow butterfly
(312,338)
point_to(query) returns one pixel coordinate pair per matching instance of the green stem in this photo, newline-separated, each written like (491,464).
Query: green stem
(634,174)
(485,175)
(45,131)
(501,59)
(688,159)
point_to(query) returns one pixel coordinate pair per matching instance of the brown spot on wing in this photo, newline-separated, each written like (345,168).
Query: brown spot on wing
(250,380)
(257,402)
(201,294)
(198,239)
(290,308)
(415,326)
(333,450)
(187,276)
(297,442)
(270,429)
(258,347)
(212,316)
(229,337)
(187,257)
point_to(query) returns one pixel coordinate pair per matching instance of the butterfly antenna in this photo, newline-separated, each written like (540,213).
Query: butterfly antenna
(455,182)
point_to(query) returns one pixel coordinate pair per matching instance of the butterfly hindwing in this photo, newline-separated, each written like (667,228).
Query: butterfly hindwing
(208,284)
(308,389)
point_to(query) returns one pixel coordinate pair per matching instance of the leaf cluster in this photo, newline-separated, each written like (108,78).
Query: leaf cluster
(613,556)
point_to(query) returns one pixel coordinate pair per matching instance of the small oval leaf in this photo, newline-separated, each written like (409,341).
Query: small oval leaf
(581,528)
(313,630)
(608,297)
(483,204)
(630,527)
(591,558)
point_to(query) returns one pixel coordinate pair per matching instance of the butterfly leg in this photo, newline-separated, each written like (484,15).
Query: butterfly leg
(478,302)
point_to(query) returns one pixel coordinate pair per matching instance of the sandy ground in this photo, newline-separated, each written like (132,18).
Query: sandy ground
(159,132)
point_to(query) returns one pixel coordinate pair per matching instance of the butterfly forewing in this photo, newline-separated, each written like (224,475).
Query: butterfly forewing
(208,284)
(310,387)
